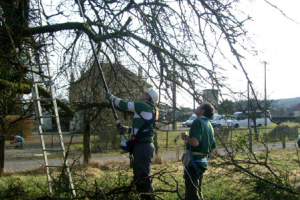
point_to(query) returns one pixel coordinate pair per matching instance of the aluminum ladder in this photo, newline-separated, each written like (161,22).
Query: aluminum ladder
(40,116)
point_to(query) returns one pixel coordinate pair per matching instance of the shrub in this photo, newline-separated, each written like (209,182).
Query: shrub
(15,190)
(281,131)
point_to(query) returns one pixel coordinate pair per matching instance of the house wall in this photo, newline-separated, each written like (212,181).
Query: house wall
(89,89)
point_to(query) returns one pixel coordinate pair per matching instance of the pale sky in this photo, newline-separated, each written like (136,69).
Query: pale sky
(278,42)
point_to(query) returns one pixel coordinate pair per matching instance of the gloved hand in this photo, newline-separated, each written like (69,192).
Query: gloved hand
(109,96)
(184,135)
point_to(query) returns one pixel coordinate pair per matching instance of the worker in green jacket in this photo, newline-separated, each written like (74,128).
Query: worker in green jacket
(142,132)
(200,144)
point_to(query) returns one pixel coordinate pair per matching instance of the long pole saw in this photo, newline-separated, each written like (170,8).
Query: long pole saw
(100,71)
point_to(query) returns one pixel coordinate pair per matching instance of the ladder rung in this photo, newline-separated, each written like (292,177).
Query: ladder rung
(38,64)
(54,166)
(52,150)
(49,133)
(47,116)
(43,99)
(45,82)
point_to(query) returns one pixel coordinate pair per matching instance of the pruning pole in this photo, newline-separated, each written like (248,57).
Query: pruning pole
(100,71)
(105,85)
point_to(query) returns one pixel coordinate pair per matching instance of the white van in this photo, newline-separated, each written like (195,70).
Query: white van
(260,119)
(219,120)
(189,122)
(240,119)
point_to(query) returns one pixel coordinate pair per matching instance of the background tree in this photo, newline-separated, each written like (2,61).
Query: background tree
(12,69)
(226,107)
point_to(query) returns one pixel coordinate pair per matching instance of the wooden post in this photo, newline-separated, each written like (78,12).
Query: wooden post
(250,140)
(167,140)
(283,138)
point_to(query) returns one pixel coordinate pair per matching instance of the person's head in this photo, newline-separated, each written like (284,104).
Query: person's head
(206,110)
(149,95)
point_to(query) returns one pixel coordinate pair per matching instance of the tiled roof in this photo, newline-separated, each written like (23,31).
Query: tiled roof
(297,107)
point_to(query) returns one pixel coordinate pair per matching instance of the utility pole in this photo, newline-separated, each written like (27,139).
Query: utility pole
(194,104)
(174,98)
(265,91)
(248,106)
(248,114)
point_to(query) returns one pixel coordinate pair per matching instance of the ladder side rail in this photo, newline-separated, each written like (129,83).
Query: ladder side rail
(65,160)
(39,114)
(44,57)
(50,85)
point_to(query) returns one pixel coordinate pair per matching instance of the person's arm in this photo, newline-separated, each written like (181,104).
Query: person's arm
(190,140)
(121,103)
(15,140)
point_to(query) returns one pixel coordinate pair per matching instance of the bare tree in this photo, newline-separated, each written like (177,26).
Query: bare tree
(178,42)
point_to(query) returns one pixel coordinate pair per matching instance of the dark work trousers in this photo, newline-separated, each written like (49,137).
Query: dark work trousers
(142,155)
(193,184)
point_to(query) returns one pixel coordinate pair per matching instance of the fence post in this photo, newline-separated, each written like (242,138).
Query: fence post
(231,136)
(257,134)
(250,140)
(283,138)
(177,152)
(107,143)
(167,139)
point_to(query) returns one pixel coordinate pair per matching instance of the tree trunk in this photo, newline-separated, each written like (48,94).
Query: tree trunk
(2,146)
(86,142)
(255,128)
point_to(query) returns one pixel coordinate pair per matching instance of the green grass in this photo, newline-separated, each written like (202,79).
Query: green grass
(166,138)
(222,181)
(291,124)
(20,186)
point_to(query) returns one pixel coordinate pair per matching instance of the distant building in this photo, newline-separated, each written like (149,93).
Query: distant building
(296,110)
(89,90)
(211,95)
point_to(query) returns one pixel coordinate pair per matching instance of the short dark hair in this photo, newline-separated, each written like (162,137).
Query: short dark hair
(209,110)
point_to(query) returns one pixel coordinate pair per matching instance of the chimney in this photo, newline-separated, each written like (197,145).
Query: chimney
(140,72)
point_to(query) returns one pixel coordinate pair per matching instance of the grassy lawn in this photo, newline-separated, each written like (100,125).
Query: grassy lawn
(227,178)
(222,181)
(165,138)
